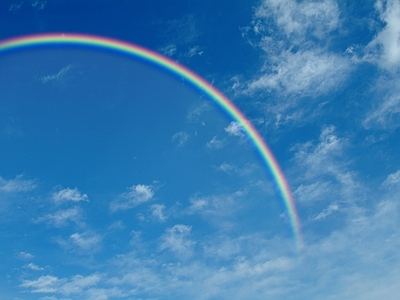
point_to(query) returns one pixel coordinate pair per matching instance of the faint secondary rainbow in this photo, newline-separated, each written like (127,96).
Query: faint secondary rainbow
(205,87)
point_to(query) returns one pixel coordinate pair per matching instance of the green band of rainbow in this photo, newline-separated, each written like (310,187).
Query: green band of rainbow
(195,80)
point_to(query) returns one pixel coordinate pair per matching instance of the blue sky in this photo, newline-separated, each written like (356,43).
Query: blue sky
(120,181)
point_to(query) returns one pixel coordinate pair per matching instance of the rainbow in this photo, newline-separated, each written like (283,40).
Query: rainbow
(205,87)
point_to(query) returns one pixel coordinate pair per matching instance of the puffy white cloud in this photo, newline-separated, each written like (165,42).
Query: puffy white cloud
(136,195)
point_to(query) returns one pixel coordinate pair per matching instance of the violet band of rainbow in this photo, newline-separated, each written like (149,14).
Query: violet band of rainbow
(54,39)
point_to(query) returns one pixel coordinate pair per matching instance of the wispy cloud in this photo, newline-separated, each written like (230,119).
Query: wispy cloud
(56,77)
(158,212)
(298,66)
(169,50)
(180,138)
(34,267)
(195,113)
(216,143)
(215,206)
(15,6)
(136,195)
(85,243)
(322,170)
(25,255)
(16,185)
(392,180)
(52,284)
(326,212)
(62,217)
(234,169)
(385,111)
(39,5)
(68,194)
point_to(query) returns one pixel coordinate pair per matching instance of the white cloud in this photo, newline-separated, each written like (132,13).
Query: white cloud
(315,191)
(326,212)
(62,217)
(25,255)
(44,284)
(136,195)
(34,267)
(385,113)
(157,211)
(39,5)
(297,20)
(169,50)
(86,242)
(298,66)
(384,49)
(216,143)
(194,114)
(234,129)
(57,76)
(16,185)
(69,194)
(78,282)
(177,239)
(322,170)
(52,284)
(392,180)
(180,138)
(15,6)
(195,51)
(304,73)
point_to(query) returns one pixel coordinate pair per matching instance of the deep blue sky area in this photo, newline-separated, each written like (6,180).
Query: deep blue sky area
(120,180)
